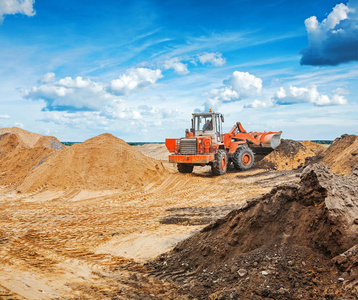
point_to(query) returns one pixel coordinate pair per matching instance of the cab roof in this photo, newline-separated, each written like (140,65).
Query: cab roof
(206,114)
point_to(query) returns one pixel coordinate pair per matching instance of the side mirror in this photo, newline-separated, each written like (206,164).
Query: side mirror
(222,118)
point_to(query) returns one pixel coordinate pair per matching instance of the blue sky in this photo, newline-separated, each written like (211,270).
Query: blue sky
(138,69)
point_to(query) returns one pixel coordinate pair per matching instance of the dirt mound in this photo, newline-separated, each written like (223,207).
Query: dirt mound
(287,156)
(50,142)
(16,164)
(297,242)
(102,162)
(316,148)
(28,138)
(156,151)
(342,155)
(21,151)
(9,142)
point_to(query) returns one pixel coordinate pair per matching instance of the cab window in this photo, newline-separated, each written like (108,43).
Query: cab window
(203,123)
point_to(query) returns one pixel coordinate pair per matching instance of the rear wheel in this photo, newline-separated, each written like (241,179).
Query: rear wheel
(185,168)
(243,158)
(219,166)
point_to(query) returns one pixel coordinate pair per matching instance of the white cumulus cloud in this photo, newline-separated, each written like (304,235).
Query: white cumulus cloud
(82,119)
(48,77)
(134,79)
(4,117)
(175,63)
(12,7)
(294,95)
(340,91)
(245,84)
(215,59)
(217,96)
(74,94)
(260,104)
(119,109)
(335,39)
(240,85)
(70,94)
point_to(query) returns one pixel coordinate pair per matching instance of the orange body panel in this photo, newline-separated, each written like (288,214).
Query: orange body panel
(234,145)
(171,145)
(191,159)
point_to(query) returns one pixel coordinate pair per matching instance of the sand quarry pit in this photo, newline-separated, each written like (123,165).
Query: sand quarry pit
(92,221)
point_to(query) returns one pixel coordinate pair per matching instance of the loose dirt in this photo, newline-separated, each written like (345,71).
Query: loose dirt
(81,243)
(18,163)
(28,138)
(49,142)
(80,223)
(316,148)
(21,152)
(9,142)
(156,151)
(342,155)
(287,156)
(298,241)
(101,163)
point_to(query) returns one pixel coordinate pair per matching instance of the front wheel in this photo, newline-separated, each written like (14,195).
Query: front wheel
(219,166)
(243,158)
(185,168)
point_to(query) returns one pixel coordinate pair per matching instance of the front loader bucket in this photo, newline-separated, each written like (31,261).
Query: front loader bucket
(276,140)
(270,140)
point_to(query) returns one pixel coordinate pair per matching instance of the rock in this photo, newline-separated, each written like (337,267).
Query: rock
(264,273)
(242,272)
(340,279)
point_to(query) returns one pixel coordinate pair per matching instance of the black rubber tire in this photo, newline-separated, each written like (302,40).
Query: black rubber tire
(243,158)
(219,166)
(185,168)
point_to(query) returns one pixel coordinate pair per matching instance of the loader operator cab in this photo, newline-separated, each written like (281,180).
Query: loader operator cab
(208,124)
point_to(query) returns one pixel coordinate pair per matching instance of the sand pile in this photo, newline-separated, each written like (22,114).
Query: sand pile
(102,162)
(156,151)
(316,148)
(287,156)
(50,142)
(21,151)
(300,241)
(16,165)
(29,139)
(342,155)
(9,142)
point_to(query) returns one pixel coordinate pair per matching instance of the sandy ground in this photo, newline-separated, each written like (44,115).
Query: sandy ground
(79,244)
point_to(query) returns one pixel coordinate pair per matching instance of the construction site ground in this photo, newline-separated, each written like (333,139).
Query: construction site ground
(91,244)
(100,220)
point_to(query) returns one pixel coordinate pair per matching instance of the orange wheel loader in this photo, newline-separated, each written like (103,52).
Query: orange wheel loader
(206,144)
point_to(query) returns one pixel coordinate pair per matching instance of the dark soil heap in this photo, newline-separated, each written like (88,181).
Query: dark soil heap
(287,156)
(300,241)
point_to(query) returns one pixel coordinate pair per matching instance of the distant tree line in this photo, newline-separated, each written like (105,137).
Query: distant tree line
(323,142)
